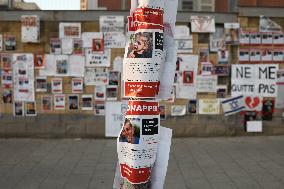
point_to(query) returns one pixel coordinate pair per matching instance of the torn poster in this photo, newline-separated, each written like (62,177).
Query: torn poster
(232,31)
(76,66)
(178,110)
(115,112)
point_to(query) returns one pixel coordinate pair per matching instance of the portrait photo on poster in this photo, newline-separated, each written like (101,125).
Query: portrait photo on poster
(73,101)
(46,103)
(141,45)
(130,132)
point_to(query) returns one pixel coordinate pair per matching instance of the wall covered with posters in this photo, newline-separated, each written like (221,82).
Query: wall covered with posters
(63,78)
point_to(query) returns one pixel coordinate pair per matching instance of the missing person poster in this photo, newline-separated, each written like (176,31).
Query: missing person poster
(23,77)
(69,30)
(30,29)
(59,101)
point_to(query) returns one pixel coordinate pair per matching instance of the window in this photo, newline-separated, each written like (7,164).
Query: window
(207,5)
(187,5)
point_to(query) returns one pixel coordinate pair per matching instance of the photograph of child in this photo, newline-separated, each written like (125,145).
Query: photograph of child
(141,45)
(130,133)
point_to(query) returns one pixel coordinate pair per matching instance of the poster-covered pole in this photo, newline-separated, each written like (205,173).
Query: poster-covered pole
(148,76)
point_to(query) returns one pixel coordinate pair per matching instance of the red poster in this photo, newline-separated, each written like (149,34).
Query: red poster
(141,89)
(142,108)
(148,15)
(135,176)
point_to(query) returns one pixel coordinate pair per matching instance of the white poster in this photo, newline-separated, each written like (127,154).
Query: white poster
(97,59)
(50,66)
(30,29)
(267,25)
(279,102)
(77,85)
(56,85)
(41,84)
(88,38)
(69,30)
(87,102)
(112,23)
(114,40)
(209,106)
(115,112)
(76,65)
(59,101)
(206,84)
(23,77)
(178,110)
(100,92)
(202,24)
(254,80)
(67,45)
(62,66)
(1,42)
(232,32)
(96,76)
(217,40)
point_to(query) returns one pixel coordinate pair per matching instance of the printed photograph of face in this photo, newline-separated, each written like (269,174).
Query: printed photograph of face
(141,45)
(130,133)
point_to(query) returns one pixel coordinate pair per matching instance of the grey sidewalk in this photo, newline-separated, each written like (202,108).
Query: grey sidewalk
(245,163)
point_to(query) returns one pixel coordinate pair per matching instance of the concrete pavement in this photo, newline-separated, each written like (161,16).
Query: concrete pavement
(195,163)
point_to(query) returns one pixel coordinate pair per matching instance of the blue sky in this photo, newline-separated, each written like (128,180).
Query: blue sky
(57,4)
